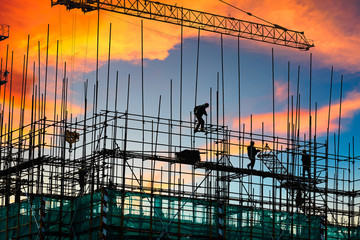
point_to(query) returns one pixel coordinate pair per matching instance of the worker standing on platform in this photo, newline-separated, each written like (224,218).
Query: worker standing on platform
(306,161)
(299,201)
(252,151)
(199,111)
(299,198)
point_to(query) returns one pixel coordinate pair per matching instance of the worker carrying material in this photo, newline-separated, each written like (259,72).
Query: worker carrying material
(199,111)
(252,151)
(306,161)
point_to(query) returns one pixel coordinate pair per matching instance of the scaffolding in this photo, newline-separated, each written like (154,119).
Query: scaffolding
(127,175)
(121,175)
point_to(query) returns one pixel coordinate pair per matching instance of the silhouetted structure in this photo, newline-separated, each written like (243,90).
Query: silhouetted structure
(199,111)
(306,162)
(252,151)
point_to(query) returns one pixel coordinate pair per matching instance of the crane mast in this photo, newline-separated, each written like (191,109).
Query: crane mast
(162,12)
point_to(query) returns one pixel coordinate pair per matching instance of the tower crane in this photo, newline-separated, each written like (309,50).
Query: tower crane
(162,12)
(4,31)
(4,34)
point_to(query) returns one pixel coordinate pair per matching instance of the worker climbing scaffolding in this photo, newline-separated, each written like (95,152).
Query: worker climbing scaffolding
(199,111)
(252,151)
(306,161)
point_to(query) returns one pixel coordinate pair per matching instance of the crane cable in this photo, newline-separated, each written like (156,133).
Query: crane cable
(252,15)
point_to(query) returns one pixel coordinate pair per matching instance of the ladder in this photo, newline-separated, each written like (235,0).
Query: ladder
(293,187)
(271,161)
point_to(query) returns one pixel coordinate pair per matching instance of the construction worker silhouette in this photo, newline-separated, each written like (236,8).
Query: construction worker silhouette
(199,111)
(306,161)
(299,199)
(252,151)
(6,73)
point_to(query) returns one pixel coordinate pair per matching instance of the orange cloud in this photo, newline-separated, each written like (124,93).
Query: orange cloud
(77,33)
(335,42)
(73,108)
(350,105)
(325,22)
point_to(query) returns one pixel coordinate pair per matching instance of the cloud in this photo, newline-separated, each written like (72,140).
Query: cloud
(350,106)
(77,34)
(280,91)
(31,102)
(326,23)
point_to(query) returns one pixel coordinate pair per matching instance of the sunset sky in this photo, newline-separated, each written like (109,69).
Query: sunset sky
(332,25)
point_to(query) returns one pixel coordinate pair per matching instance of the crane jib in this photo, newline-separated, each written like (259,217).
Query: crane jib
(273,34)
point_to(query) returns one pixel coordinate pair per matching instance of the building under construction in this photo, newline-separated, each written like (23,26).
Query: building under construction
(120,175)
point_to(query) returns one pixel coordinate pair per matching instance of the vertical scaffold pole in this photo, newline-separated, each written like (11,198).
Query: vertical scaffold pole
(327,156)
(123,194)
(273,108)
(42,217)
(142,116)
(180,124)
(104,213)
